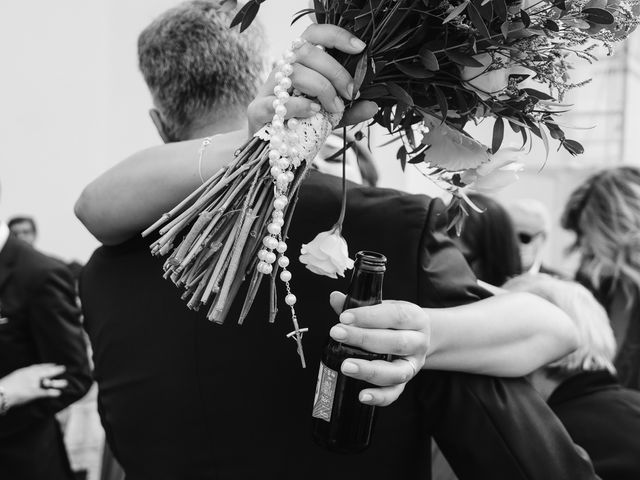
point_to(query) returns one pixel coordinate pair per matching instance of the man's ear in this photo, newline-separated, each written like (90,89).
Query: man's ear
(157,120)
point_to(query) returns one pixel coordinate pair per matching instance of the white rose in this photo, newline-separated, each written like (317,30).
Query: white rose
(485,82)
(451,149)
(327,254)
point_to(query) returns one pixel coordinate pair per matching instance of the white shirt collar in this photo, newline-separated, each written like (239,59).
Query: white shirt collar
(4,234)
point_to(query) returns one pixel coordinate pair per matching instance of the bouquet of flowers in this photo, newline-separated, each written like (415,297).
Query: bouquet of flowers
(432,66)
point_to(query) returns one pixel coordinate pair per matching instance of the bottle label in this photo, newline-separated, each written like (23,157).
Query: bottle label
(325,390)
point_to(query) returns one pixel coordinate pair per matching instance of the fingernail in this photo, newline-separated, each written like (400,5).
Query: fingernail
(366,397)
(357,43)
(338,104)
(349,367)
(315,107)
(338,333)
(347,318)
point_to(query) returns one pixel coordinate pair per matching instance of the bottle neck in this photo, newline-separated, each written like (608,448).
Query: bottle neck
(365,289)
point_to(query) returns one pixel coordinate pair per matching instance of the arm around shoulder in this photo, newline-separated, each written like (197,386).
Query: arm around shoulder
(508,335)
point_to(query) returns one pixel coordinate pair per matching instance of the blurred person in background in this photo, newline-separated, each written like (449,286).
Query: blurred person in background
(582,389)
(43,361)
(532,223)
(488,242)
(24,228)
(604,213)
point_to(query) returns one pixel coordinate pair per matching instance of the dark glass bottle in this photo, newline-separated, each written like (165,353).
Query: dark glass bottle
(341,423)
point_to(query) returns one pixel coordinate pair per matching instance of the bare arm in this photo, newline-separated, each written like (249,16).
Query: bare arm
(133,194)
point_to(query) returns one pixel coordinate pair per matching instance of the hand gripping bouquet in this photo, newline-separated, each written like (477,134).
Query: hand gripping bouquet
(432,66)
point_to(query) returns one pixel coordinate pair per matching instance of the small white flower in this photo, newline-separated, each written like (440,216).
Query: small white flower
(327,254)
(451,149)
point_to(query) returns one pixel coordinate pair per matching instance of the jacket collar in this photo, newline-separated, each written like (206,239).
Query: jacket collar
(581,384)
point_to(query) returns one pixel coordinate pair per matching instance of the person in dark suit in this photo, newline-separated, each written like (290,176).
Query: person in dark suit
(182,398)
(43,361)
(582,389)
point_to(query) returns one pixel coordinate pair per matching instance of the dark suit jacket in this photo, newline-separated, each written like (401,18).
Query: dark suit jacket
(42,325)
(183,399)
(604,419)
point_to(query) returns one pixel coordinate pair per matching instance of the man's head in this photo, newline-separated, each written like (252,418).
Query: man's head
(596,343)
(201,74)
(24,228)
(532,224)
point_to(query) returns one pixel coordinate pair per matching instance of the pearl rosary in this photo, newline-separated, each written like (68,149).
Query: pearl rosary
(284,159)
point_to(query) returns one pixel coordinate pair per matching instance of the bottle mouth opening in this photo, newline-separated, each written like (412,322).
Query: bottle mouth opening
(371,260)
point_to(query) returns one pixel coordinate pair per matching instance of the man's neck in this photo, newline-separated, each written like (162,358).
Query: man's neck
(226,125)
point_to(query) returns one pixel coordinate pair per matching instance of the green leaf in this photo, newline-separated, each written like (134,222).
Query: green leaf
(456,11)
(500,7)
(478,22)
(442,102)
(238,19)
(599,16)
(252,11)
(301,14)
(537,94)
(463,59)
(402,156)
(526,19)
(360,73)
(429,60)
(545,140)
(414,70)
(551,25)
(498,134)
(400,94)
(573,147)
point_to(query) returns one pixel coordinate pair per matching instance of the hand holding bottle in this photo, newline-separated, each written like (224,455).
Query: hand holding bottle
(402,329)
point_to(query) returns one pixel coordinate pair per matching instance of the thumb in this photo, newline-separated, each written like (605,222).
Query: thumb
(336,299)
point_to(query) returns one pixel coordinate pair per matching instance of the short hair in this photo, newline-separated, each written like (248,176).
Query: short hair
(596,342)
(604,213)
(489,241)
(194,64)
(16,220)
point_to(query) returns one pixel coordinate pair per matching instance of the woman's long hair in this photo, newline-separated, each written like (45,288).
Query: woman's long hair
(604,213)
(489,242)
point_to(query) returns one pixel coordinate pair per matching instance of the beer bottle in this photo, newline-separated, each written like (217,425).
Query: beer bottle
(341,423)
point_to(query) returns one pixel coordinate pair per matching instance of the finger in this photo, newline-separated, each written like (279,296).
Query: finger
(396,342)
(336,299)
(388,314)
(261,110)
(332,36)
(359,112)
(379,372)
(382,396)
(327,66)
(313,84)
(58,384)
(50,370)
(52,392)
